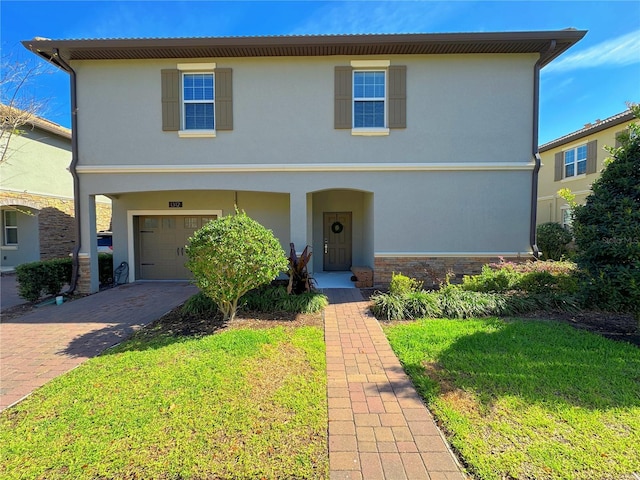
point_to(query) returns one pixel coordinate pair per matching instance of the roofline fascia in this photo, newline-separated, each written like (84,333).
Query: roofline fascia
(577,135)
(40,46)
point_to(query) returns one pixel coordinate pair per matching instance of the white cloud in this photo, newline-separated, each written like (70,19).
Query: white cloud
(617,52)
(376,17)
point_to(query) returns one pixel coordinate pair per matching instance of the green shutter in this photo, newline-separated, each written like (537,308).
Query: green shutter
(170,100)
(343,97)
(398,96)
(559,166)
(592,156)
(224,99)
(618,142)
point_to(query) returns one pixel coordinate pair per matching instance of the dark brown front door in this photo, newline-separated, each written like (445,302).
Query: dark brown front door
(337,241)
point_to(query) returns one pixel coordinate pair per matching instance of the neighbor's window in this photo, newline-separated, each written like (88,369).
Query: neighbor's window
(10,220)
(575,161)
(369,96)
(198,101)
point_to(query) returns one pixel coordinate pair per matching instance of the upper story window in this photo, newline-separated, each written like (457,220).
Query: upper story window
(198,101)
(575,161)
(10,225)
(369,97)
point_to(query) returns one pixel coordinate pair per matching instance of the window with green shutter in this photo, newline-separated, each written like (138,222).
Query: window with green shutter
(197,99)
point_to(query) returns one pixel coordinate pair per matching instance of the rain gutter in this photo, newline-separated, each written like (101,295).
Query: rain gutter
(534,149)
(75,271)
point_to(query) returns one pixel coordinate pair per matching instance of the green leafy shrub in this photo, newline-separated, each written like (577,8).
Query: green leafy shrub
(105,268)
(607,230)
(275,299)
(47,277)
(502,279)
(200,304)
(402,285)
(553,240)
(269,299)
(232,255)
(421,304)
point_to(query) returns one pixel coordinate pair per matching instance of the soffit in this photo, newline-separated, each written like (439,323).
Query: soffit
(323,45)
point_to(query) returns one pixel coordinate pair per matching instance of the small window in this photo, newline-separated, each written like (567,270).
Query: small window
(575,161)
(369,96)
(10,220)
(198,101)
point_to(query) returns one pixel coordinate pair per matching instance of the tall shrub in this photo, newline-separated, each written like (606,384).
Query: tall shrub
(607,230)
(232,255)
(553,240)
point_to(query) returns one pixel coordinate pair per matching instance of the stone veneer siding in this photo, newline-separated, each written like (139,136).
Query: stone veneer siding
(55,220)
(433,270)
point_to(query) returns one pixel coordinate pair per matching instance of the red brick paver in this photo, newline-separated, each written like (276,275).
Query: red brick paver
(379,428)
(54,339)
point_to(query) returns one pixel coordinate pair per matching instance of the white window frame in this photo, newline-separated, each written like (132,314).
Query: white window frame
(6,228)
(360,66)
(565,217)
(575,161)
(189,69)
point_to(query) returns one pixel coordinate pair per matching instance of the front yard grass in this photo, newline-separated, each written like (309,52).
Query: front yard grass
(528,399)
(243,403)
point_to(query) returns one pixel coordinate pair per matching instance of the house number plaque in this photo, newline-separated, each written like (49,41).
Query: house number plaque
(175,204)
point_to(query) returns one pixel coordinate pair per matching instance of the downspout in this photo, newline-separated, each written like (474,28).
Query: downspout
(75,271)
(536,154)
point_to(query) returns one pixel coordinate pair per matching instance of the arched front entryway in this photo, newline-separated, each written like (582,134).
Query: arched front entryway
(342,229)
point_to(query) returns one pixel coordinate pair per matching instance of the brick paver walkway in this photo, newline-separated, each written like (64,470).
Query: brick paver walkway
(51,340)
(379,428)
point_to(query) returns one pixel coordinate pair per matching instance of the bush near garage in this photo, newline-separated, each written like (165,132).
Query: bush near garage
(48,277)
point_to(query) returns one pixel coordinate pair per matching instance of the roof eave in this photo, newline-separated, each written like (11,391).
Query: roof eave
(585,132)
(313,45)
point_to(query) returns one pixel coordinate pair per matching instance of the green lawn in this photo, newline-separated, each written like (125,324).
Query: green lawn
(246,403)
(528,399)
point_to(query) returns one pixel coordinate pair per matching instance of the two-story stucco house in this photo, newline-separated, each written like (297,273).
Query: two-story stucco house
(574,161)
(398,152)
(36,193)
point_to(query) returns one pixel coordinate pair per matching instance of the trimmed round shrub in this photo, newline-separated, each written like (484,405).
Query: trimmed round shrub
(232,255)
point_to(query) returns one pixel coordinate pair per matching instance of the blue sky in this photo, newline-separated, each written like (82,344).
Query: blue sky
(592,80)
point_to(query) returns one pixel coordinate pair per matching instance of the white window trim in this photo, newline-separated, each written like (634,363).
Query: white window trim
(195,68)
(575,162)
(6,227)
(371,66)
(563,209)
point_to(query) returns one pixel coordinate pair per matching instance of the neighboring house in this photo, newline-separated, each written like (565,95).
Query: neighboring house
(36,195)
(405,153)
(574,161)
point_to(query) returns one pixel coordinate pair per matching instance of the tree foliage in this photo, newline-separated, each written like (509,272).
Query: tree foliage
(553,240)
(19,107)
(232,255)
(607,230)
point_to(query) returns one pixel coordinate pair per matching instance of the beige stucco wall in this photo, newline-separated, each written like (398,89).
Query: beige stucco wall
(460,108)
(550,204)
(469,123)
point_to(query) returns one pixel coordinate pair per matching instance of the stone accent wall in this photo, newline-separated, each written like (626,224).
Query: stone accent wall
(84,275)
(57,228)
(433,270)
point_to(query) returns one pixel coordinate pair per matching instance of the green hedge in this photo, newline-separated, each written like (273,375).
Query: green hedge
(36,279)
(48,277)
